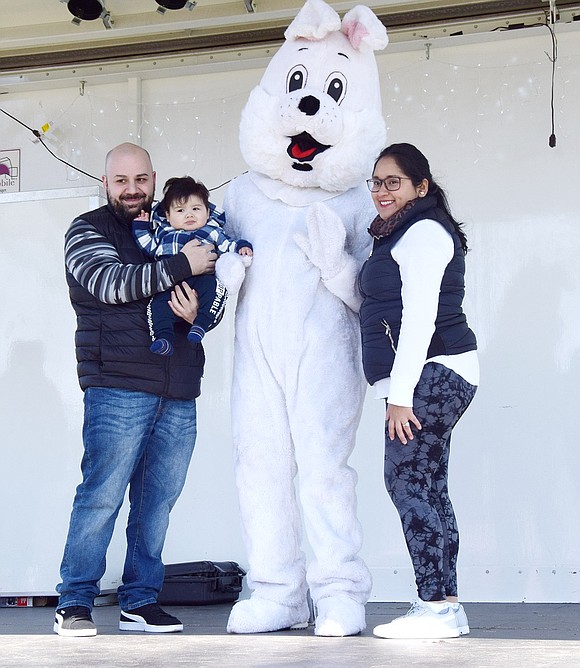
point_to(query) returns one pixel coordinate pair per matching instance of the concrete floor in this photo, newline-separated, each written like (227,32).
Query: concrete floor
(517,635)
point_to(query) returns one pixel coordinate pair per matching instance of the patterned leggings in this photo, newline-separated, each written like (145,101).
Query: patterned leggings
(416,479)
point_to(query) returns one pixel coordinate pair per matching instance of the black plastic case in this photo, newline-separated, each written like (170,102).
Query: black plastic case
(201,583)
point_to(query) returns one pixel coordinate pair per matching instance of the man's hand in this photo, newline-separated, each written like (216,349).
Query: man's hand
(184,302)
(201,257)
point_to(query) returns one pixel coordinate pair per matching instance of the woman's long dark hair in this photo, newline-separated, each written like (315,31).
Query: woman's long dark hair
(415,165)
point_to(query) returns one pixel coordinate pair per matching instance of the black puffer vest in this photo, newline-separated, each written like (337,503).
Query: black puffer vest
(112,340)
(381,310)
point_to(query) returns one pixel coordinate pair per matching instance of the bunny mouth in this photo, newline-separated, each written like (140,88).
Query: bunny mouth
(304,148)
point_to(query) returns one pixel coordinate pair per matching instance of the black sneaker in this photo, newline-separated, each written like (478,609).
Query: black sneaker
(74,622)
(151,618)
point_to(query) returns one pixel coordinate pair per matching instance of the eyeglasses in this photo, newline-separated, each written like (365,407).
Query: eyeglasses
(391,183)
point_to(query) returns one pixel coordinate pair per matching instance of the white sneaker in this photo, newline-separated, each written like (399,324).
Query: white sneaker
(423,620)
(461,617)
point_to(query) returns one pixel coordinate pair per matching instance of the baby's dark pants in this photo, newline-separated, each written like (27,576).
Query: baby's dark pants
(212,297)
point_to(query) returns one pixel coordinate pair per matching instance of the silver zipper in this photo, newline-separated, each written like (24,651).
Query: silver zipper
(387,327)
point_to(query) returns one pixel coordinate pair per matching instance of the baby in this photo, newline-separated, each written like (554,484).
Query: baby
(185,213)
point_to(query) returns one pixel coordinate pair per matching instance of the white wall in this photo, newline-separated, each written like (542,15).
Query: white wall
(481,113)
(41,407)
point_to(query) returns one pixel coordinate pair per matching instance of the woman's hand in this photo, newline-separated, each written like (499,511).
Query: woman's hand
(399,419)
(184,302)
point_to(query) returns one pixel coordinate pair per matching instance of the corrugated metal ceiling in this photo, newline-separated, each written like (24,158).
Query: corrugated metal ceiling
(39,33)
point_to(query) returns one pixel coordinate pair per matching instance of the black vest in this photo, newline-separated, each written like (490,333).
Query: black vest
(380,314)
(112,340)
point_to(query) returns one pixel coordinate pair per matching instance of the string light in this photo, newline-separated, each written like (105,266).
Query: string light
(498,91)
(40,138)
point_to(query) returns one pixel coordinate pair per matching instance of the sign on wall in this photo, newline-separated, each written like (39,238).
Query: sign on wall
(10,171)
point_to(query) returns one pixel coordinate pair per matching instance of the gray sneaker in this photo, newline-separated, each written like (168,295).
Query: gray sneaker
(461,618)
(423,620)
(74,622)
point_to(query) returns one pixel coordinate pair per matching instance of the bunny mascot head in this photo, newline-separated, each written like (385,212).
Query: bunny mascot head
(310,133)
(318,105)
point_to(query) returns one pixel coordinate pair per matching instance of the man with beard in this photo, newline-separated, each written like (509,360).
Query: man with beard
(140,413)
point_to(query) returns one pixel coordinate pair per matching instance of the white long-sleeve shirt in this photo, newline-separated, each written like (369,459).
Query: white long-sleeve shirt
(422,253)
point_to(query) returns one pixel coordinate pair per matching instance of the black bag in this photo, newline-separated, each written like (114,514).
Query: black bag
(201,583)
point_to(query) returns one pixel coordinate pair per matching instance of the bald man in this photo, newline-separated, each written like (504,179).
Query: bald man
(139,409)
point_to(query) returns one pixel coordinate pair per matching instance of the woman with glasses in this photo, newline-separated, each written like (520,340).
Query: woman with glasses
(419,354)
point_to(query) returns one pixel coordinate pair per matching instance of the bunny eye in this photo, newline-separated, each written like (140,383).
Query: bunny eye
(297,78)
(336,86)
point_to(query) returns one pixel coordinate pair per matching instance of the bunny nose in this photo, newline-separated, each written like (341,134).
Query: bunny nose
(309,105)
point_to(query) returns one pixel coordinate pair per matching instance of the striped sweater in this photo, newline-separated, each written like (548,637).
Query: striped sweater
(95,263)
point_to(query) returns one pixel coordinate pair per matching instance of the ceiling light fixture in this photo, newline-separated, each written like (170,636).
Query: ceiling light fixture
(88,10)
(164,5)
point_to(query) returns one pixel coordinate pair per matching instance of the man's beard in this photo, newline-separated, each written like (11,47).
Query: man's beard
(128,208)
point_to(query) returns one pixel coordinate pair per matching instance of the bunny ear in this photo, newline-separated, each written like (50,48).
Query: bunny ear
(364,30)
(314,21)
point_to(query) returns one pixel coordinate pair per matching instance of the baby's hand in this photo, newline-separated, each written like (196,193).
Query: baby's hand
(246,251)
(143,215)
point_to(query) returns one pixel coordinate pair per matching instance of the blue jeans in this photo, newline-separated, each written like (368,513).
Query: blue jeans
(131,439)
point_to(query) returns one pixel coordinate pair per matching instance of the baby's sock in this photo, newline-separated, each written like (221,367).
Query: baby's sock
(161,347)
(196,334)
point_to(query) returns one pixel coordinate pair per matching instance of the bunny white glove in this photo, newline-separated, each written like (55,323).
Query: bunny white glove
(230,269)
(324,247)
